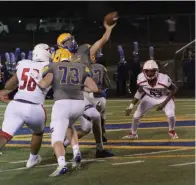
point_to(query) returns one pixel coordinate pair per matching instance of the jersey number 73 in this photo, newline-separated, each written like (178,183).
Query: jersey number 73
(74,75)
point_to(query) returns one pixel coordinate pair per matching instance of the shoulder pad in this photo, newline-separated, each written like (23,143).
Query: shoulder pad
(45,68)
(21,62)
(164,79)
(141,79)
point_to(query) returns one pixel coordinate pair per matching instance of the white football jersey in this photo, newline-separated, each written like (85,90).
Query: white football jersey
(27,87)
(161,87)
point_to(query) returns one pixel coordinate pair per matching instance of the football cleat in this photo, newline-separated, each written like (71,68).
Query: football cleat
(173,134)
(130,136)
(31,163)
(61,170)
(76,162)
(104,154)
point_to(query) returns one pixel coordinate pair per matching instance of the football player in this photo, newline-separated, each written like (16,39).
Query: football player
(91,117)
(102,80)
(67,80)
(86,55)
(85,52)
(155,89)
(27,106)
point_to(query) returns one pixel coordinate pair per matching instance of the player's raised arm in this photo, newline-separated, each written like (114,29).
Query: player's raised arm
(106,36)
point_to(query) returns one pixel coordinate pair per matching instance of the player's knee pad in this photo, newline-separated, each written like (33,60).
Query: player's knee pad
(137,115)
(58,129)
(92,113)
(7,136)
(86,124)
(170,113)
(85,131)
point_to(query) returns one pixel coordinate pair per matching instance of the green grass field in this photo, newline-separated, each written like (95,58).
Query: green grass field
(153,159)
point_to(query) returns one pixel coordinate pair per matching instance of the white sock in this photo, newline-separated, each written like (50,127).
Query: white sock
(61,161)
(32,157)
(76,149)
(171,123)
(66,143)
(100,146)
(134,126)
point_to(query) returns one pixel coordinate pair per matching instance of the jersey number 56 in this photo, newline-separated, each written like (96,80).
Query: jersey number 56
(28,82)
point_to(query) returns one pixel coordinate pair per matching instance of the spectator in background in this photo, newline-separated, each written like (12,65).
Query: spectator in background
(17,54)
(22,56)
(185,59)
(4,75)
(1,75)
(30,55)
(191,74)
(189,67)
(8,63)
(13,63)
(121,74)
(134,67)
(171,29)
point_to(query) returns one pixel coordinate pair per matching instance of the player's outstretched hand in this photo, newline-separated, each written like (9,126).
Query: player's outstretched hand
(108,27)
(3,97)
(127,112)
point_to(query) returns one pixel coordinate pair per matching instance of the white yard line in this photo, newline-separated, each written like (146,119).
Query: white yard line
(48,165)
(163,151)
(116,100)
(114,130)
(182,164)
(129,99)
(84,160)
(124,163)
(17,162)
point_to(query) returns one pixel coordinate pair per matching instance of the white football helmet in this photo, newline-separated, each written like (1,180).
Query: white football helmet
(150,69)
(41,53)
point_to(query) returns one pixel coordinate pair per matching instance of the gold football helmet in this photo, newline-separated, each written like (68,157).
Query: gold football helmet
(67,41)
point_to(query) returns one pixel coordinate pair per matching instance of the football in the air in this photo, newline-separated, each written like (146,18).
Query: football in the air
(111,18)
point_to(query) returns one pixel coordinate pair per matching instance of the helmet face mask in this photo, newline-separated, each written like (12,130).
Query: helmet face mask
(67,41)
(150,70)
(70,44)
(151,74)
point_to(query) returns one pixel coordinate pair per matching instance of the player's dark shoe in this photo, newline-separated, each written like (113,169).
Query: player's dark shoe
(104,153)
